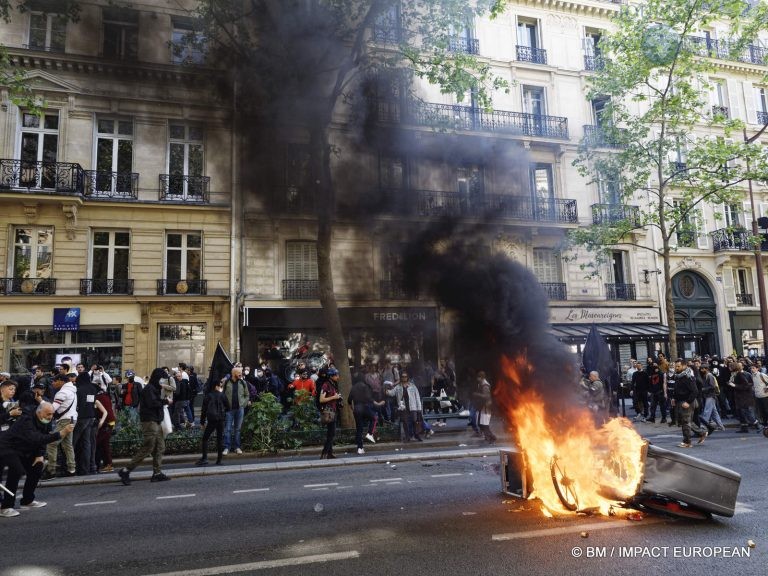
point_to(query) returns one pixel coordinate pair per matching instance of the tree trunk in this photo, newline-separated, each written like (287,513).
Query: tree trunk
(320,150)
(669,303)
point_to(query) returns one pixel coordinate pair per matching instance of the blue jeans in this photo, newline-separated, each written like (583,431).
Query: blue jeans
(232,424)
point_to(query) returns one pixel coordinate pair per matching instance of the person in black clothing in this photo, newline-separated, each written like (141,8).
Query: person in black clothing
(641,385)
(30,399)
(84,438)
(361,400)
(150,415)
(686,393)
(22,449)
(212,418)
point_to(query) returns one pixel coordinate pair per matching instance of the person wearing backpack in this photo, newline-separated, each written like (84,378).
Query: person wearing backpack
(212,418)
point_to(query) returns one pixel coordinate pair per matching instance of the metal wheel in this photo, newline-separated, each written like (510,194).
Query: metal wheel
(563,485)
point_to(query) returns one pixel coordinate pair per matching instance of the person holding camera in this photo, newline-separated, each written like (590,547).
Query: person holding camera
(22,449)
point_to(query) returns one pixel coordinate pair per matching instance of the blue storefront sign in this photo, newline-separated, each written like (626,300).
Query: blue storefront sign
(66,319)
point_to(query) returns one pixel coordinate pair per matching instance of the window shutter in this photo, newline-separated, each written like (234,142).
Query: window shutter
(734,100)
(749,101)
(763,208)
(747,215)
(729,291)
(702,238)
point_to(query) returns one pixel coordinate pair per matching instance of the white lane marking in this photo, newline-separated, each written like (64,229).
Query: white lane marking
(385,480)
(176,496)
(249,490)
(321,488)
(321,485)
(742,508)
(264,564)
(573,528)
(96,503)
(447,475)
(344,487)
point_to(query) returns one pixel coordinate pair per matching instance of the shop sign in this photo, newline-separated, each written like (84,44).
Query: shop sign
(66,319)
(582,315)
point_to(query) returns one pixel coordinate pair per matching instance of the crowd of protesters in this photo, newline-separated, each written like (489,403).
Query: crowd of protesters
(698,394)
(59,422)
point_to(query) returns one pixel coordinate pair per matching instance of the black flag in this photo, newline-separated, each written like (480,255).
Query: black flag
(221,366)
(597,356)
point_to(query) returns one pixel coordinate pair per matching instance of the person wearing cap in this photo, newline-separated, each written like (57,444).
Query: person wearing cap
(22,449)
(236,391)
(4,376)
(64,414)
(131,392)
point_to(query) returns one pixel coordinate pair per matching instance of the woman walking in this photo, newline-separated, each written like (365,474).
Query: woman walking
(329,404)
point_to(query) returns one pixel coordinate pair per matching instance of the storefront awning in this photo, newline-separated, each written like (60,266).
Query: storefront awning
(618,332)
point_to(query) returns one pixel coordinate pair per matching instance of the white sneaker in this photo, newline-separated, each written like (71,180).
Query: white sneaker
(33,504)
(360,451)
(464,413)
(8,512)
(238,451)
(370,438)
(226,451)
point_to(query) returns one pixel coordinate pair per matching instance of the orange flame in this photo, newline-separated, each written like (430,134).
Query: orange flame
(593,468)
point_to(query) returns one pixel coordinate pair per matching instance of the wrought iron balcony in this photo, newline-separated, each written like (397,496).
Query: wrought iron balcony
(762,117)
(61,177)
(464,44)
(184,188)
(555,290)
(744,299)
(593,62)
(597,137)
(106,286)
(723,50)
(613,213)
(179,286)
(620,291)
(528,54)
(731,239)
(396,290)
(720,111)
(115,185)
(28,286)
(44,48)
(457,117)
(293,200)
(435,203)
(301,290)
(388,34)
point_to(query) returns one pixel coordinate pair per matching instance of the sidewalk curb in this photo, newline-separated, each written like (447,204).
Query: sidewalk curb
(112,478)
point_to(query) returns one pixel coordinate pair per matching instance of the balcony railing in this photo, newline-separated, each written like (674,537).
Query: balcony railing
(293,200)
(457,117)
(555,290)
(43,48)
(744,299)
(597,137)
(528,54)
(106,286)
(463,44)
(184,188)
(115,185)
(720,111)
(301,290)
(61,177)
(731,239)
(178,286)
(28,286)
(396,290)
(435,203)
(762,117)
(593,62)
(723,50)
(620,291)
(613,213)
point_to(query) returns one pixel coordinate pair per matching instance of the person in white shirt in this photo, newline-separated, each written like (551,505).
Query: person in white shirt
(64,413)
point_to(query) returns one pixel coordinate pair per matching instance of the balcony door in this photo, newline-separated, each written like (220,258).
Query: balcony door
(469,185)
(109,261)
(527,34)
(114,155)
(185,160)
(542,192)
(39,147)
(619,271)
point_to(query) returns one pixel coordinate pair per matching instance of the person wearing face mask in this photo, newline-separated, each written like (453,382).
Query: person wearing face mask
(22,449)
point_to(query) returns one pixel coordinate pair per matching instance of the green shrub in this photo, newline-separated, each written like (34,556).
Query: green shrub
(262,429)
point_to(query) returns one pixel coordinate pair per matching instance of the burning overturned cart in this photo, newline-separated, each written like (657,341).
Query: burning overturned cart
(670,483)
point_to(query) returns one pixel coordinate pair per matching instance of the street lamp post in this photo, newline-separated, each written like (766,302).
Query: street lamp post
(758,253)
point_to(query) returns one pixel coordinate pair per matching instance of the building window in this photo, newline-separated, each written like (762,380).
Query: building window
(39,141)
(32,252)
(593,58)
(41,345)
(533,100)
(761,105)
(546,265)
(301,260)
(181,343)
(528,42)
(121,33)
(186,41)
(391,173)
(387,28)
(47,32)
(719,96)
(185,150)
(110,255)
(742,282)
(184,256)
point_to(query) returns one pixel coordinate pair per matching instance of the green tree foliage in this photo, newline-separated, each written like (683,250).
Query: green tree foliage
(673,152)
(297,64)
